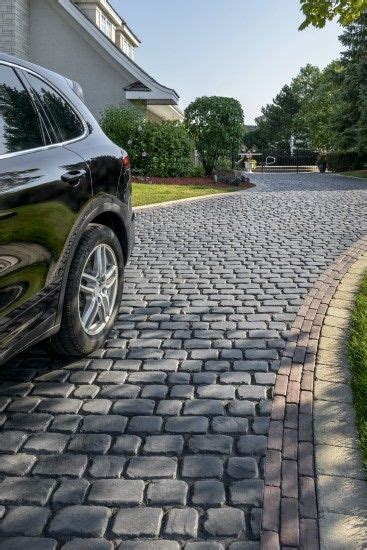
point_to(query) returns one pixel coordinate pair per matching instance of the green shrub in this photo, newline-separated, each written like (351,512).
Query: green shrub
(123,125)
(223,163)
(170,151)
(344,161)
(198,171)
(160,149)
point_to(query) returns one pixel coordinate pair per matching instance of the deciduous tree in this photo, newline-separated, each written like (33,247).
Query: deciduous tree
(318,12)
(216,126)
(320,108)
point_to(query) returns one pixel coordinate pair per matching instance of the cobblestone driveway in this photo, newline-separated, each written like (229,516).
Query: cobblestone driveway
(161,436)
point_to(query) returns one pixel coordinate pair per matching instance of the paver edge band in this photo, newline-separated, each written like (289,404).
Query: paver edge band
(290,515)
(338,460)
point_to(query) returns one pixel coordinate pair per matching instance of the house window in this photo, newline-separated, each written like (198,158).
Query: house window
(128,49)
(105,25)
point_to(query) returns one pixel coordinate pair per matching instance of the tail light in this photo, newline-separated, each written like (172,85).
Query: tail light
(126,162)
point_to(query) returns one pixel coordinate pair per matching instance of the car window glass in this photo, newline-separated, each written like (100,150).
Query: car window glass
(60,113)
(19,122)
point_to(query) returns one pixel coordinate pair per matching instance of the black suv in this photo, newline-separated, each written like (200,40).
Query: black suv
(66,223)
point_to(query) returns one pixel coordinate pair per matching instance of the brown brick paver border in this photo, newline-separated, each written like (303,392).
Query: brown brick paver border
(290,504)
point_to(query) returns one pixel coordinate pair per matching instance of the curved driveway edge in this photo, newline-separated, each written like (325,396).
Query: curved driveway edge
(340,477)
(290,516)
(166,204)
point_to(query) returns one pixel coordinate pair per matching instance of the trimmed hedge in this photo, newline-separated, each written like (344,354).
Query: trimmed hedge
(157,149)
(342,162)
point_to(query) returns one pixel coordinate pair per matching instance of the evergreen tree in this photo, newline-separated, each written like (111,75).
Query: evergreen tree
(280,120)
(351,123)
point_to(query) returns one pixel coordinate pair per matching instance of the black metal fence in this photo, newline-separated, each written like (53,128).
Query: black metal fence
(284,161)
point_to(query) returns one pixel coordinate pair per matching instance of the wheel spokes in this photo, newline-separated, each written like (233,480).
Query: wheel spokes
(101,261)
(91,279)
(90,313)
(105,307)
(98,289)
(89,285)
(86,289)
(110,277)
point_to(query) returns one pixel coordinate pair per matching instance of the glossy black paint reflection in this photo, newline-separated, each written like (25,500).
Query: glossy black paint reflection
(43,211)
(48,196)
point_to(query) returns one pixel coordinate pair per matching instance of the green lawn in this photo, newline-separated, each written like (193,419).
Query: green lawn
(148,193)
(356,173)
(357,347)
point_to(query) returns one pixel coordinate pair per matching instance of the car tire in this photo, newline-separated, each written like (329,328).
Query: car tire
(87,293)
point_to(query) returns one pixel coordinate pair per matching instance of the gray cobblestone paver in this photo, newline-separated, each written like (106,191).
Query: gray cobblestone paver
(157,441)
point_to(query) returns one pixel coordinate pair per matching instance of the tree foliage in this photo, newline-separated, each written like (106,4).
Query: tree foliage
(162,149)
(279,120)
(169,150)
(318,12)
(323,110)
(320,108)
(123,125)
(351,123)
(216,126)
(344,161)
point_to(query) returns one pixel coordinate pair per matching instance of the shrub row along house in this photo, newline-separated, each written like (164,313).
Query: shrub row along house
(89,42)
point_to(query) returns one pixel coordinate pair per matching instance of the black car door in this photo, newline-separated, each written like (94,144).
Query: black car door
(43,186)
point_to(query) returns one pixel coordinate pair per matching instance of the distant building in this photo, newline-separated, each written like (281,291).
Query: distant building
(89,42)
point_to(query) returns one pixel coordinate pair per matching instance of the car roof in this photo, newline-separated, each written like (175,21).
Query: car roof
(56,78)
(70,88)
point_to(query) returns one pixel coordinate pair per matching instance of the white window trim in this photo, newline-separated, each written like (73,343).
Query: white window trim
(105,25)
(128,48)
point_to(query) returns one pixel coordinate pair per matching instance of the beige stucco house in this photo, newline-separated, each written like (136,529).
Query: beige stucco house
(89,42)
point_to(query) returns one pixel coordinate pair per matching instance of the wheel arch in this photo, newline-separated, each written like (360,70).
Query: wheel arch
(114,222)
(108,211)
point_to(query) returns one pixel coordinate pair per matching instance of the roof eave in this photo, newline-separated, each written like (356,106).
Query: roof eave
(125,29)
(152,97)
(166,112)
(161,91)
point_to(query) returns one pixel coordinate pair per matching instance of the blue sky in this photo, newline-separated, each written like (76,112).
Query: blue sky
(247,49)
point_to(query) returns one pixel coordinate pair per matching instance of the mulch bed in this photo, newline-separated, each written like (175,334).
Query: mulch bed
(187,181)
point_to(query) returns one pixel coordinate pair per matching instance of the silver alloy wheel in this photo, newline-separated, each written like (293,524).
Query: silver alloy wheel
(97,289)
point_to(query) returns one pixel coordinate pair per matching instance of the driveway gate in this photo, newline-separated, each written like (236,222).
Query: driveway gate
(283,161)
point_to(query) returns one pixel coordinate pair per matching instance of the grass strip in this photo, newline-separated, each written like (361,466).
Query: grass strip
(357,349)
(355,173)
(147,193)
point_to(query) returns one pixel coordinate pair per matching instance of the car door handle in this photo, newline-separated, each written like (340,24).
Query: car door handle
(73,177)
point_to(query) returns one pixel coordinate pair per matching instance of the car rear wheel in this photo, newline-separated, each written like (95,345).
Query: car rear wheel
(93,292)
